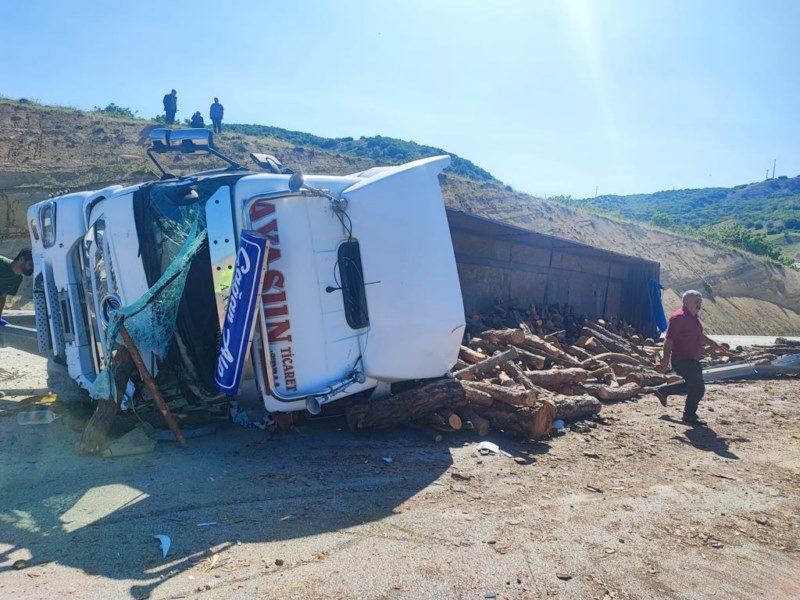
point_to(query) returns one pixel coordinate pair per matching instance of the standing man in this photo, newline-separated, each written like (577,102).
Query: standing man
(11,272)
(215,112)
(683,345)
(170,107)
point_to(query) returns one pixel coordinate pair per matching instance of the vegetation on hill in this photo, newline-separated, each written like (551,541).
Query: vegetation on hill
(758,217)
(383,150)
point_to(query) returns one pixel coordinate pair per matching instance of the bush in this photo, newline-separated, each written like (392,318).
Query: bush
(112,110)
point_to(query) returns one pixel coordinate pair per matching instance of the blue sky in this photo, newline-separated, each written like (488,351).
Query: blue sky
(569,97)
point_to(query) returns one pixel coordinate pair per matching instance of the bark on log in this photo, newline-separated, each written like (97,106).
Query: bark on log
(406,406)
(487,364)
(505,379)
(477,397)
(469,355)
(579,353)
(611,340)
(554,378)
(95,435)
(531,360)
(472,420)
(570,408)
(615,357)
(646,378)
(534,422)
(509,396)
(624,392)
(553,352)
(512,337)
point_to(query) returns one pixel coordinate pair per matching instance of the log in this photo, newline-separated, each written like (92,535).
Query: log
(579,353)
(487,364)
(151,385)
(531,360)
(469,355)
(554,378)
(473,421)
(451,419)
(551,351)
(407,406)
(522,379)
(624,392)
(612,341)
(646,378)
(477,397)
(505,379)
(512,337)
(615,357)
(570,408)
(95,435)
(534,422)
(513,397)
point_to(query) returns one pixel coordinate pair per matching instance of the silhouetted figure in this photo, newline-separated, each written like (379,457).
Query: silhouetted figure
(215,112)
(170,107)
(197,121)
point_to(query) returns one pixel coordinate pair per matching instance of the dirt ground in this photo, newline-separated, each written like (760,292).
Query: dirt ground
(635,506)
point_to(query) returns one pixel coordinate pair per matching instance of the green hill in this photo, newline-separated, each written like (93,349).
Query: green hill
(762,218)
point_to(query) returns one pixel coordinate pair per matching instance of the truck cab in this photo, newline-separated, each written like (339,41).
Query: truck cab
(359,288)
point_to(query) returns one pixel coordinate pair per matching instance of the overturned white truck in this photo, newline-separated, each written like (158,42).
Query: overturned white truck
(353,278)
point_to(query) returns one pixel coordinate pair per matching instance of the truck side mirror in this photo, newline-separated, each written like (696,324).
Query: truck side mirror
(296,181)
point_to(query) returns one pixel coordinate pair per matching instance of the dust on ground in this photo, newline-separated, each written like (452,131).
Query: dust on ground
(637,506)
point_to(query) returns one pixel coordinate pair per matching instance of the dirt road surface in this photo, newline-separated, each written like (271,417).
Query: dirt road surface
(639,507)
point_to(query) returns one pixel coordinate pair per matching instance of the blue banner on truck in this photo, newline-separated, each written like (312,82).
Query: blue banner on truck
(240,316)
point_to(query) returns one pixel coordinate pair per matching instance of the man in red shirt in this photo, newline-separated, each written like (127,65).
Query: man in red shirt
(683,346)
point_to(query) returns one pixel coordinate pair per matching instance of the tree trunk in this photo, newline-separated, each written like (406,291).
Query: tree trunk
(510,396)
(95,435)
(534,422)
(487,364)
(570,408)
(472,420)
(556,377)
(624,392)
(407,406)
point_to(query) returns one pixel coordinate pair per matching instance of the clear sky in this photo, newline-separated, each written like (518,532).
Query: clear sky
(552,97)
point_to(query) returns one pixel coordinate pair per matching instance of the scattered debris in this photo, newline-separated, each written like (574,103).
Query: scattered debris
(36,417)
(166,542)
(20,564)
(207,524)
(132,443)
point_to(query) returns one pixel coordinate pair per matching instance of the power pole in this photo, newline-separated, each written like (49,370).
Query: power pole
(766,175)
(596,188)
(773,167)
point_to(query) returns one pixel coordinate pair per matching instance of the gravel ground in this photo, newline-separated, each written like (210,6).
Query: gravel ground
(636,506)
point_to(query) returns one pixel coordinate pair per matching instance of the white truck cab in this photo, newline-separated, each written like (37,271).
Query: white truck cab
(360,287)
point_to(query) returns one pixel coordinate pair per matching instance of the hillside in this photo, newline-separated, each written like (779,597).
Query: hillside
(768,210)
(46,150)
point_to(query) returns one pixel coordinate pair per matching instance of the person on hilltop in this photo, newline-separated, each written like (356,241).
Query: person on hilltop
(215,113)
(682,347)
(197,121)
(11,272)
(170,107)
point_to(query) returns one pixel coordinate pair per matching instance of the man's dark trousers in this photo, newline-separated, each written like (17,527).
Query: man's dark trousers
(692,384)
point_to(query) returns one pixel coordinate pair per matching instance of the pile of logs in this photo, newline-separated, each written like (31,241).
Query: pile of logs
(514,380)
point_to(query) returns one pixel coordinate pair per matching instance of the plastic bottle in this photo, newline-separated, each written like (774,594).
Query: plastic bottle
(36,417)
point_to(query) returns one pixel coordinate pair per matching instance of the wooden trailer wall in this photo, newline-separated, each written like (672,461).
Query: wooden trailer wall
(500,261)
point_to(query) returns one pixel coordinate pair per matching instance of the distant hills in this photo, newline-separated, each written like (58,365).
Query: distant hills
(762,218)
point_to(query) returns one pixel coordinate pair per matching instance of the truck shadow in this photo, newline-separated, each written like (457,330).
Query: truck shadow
(234,487)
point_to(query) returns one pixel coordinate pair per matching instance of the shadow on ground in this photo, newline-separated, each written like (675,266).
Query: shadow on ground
(100,515)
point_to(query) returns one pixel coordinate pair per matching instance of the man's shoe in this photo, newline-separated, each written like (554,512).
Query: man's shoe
(693,420)
(662,397)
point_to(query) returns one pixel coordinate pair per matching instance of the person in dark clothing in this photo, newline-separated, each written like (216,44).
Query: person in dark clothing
(11,272)
(683,345)
(197,121)
(215,113)
(170,107)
